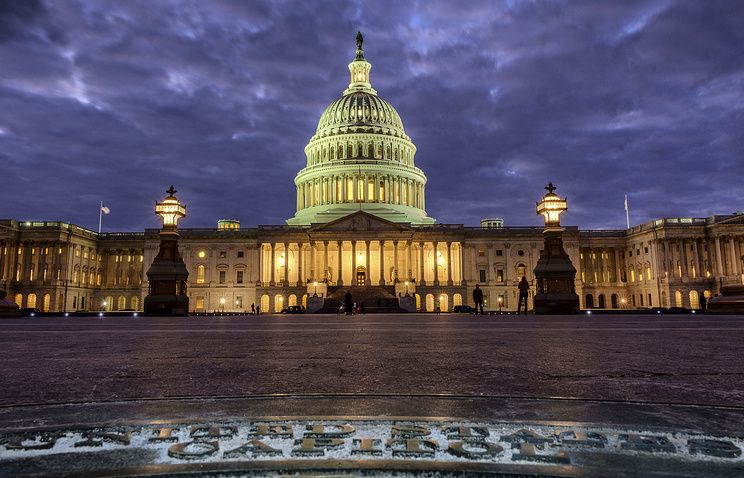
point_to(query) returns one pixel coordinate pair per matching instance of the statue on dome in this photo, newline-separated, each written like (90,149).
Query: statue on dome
(359,40)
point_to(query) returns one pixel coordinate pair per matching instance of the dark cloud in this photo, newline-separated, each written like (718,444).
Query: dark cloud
(117,100)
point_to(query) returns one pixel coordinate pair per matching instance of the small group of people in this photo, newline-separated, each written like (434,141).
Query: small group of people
(350,307)
(524,293)
(255,309)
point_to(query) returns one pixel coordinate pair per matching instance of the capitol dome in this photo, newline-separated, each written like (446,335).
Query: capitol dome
(360,158)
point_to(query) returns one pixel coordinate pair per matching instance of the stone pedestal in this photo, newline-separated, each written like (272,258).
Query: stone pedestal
(555,275)
(730,301)
(167,278)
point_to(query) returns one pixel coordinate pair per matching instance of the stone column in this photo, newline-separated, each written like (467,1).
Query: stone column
(285,277)
(353,262)
(313,274)
(367,279)
(436,263)
(382,262)
(339,265)
(696,258)
(325,261)
(732,257)
(449,263)
(420,279)
(719,263)
(272,265)
(396,259)
(409,244)
(300,259)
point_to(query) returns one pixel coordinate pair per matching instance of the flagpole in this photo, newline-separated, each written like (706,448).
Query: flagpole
(627,214)
(100,217)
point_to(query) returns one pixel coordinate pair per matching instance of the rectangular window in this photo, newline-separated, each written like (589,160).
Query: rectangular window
(499,252)
(241,254)
(500,275)
(223,254)
(239,302)
(239,277)
(649,300)
(641,297)
(482,273)
(481,253)
(200,303)
(222,277)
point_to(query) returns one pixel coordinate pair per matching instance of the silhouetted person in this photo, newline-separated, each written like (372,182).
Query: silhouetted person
(348,303)
(524,292)
(258,310)
(253,309)
(478,299)
(703,302)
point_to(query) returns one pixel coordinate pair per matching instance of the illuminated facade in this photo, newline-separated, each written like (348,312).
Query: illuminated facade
(361,223)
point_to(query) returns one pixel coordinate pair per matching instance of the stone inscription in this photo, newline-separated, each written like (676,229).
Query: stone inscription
(371,440)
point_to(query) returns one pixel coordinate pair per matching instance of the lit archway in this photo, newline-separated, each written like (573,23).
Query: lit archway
(292,300)
(429,303)
(678,301)
(456,300)
(278,303)
(265,302)
(31,301)
(694,299)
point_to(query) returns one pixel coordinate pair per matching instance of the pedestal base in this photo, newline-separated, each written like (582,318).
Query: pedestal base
(556,304)
(166,305)
(731,301)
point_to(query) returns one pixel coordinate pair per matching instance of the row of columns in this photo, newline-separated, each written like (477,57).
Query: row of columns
(302,275)
(719,256)
(594,263)
(380,151)
(336,189)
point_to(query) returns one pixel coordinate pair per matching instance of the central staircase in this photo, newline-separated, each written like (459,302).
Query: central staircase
(376,299)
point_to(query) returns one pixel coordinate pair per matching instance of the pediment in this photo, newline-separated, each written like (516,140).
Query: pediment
(360,221)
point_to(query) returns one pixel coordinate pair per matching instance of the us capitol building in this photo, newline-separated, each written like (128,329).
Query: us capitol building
(361,224)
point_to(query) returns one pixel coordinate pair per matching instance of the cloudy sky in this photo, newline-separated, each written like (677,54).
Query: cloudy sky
(116,100)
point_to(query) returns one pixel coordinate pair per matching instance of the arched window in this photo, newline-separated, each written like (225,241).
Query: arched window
(456,300)
(333,153)
(134,302)
(324,154)
(678,301)
(521,271)
(429,303)
(694,299)
(589,301)
(396,154)
(265,303)
(379,151)
(370,151)
(292,300)
(121,303)
(278,303)
(341,152)
(31,301)
(388,152)
(613,301)
(19,300)
(46,302)
(601,299)
(200,274)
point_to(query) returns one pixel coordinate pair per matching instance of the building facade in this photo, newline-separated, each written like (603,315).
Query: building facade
(361,224)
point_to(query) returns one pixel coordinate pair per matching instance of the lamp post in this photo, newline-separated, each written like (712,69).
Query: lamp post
(554,273)
(167,275)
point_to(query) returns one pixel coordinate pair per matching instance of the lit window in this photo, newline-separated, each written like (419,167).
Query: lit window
(200,302)
(200,274)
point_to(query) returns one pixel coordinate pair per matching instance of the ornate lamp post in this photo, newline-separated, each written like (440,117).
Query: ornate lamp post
(555,275)
(167,275)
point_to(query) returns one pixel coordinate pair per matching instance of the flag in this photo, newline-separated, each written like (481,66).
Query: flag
(105,209)
(626,202)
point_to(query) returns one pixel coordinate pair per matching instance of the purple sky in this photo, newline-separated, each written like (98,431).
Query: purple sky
(116,100)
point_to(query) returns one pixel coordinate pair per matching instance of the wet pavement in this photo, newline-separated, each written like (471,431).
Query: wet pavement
(77,386)
(668,359)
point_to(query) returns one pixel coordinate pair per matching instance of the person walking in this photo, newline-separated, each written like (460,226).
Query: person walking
(258,310)
(478,299)
(253,309)
(524,292)
(348,303)
(703,302)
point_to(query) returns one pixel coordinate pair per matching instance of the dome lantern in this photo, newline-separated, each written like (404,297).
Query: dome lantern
(359,70)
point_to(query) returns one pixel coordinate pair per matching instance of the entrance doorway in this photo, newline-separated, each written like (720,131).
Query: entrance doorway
(361,276)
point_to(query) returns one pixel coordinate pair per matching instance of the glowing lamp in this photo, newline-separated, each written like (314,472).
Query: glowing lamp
(551,207)
(170,210)
(222,301)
